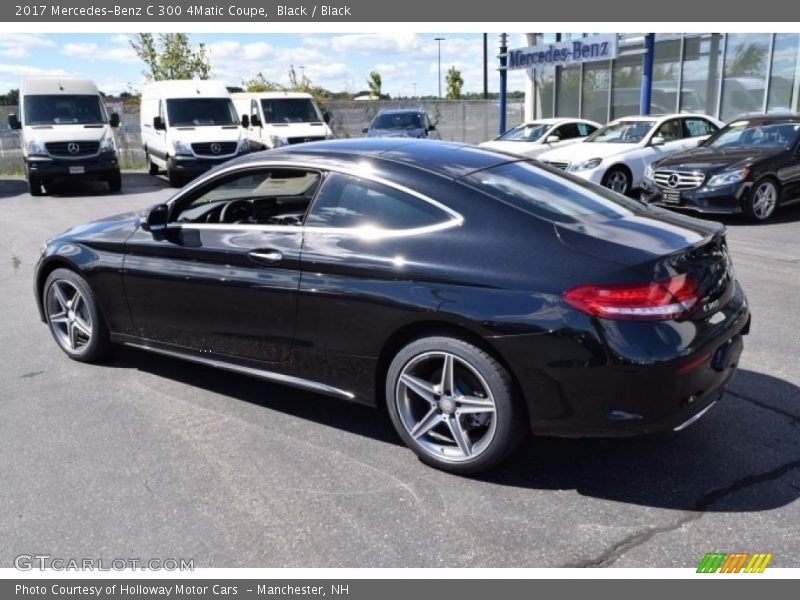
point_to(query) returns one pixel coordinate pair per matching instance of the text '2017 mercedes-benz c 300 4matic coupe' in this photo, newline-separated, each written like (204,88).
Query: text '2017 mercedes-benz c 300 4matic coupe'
(477,295)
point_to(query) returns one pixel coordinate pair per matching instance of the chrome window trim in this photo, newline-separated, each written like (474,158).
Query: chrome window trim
(456,219)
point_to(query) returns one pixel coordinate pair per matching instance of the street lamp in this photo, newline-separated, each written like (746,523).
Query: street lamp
(440,40)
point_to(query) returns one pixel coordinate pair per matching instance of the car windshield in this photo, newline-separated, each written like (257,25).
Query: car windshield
(397,121)
(290,110)
(527,132)
(622,132)
(196,112)
(63,110)
(756,133)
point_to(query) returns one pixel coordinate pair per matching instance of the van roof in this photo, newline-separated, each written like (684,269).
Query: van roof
(185,88)
(271,95)
(57,85)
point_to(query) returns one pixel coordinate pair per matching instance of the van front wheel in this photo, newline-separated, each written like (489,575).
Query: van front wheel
(175,180)
(34,185)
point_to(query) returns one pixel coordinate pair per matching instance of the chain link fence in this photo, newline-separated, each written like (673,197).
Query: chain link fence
(469,121)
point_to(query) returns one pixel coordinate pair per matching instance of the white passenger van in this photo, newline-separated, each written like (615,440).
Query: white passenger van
(280,118)
(189,126)
(66,133)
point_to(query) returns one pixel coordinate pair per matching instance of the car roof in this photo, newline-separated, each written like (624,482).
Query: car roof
(554,120)
(450,159)
(393,111)
(778,117)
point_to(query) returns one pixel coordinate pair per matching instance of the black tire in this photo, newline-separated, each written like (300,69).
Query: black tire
(175,180)
(618,179)
(490,436)
(87,348)
(152,168)
(762,200)
(115,182)
(35,186)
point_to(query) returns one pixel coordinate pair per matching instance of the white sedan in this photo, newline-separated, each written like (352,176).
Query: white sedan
(617,155)
(535,137)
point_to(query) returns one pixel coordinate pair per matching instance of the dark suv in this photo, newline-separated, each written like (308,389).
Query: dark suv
(413,123)
(750,166)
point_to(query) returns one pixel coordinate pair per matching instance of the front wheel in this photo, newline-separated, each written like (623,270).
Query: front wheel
(74,317)
(762,200)
(34,185)
(618,180)
(175,180)
(454,405)
(115,182)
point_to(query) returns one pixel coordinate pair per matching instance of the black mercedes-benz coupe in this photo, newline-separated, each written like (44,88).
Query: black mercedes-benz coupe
(476,295)
(751,166)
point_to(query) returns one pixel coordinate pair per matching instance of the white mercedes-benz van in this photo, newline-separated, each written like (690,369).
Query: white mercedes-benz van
(280,118)
(188,126)
(66,133)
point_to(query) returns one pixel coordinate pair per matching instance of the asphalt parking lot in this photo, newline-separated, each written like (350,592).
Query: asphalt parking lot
(149,457)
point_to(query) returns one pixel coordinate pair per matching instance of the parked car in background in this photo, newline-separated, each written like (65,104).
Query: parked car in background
(532,138)
(65,133)
(477,296)
(188,126)
(402,122)
(616,155)
(281,118)
(750,166)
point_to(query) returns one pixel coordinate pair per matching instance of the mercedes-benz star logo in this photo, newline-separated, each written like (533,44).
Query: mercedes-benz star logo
(73,148)
(216,148)
(673,180)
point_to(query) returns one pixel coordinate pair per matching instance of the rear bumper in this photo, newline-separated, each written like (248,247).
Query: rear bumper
(621,378)
(98,167)
(728,199)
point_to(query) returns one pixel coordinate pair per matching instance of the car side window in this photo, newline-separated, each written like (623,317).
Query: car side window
(566,131)
(698,127)
(277,196)
(585,129)
(348,201)
(670,130)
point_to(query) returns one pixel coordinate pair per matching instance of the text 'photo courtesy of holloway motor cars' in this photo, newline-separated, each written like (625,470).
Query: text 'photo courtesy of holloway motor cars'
(479,297)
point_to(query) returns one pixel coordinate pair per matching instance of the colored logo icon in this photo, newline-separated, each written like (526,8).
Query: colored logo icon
(735,562)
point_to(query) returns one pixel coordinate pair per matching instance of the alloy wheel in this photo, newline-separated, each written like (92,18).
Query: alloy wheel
(764,200)
(68,316)
(617,181)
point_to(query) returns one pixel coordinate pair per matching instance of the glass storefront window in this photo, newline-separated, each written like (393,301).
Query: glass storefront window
(785,78)
(666,73)
(702,67)
(745,83)
(545,78)
(569,85)
(627,86)
(595,91)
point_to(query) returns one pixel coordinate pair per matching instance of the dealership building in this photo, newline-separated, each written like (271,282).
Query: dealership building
(605,76)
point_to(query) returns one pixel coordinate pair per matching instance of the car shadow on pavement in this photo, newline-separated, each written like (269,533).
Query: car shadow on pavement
(132,183)
(12,187)
(729,461)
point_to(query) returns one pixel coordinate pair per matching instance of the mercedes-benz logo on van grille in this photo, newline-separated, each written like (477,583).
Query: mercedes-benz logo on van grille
(673,180)
(216,148)
(73,148)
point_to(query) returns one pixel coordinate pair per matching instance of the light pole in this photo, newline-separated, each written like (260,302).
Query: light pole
(440,40)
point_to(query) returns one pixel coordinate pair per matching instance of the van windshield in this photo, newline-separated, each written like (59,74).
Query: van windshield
(63,110)
(197,112)
(290,110)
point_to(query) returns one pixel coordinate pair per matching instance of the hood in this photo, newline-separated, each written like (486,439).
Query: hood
(713,159)
(515,147)
(65,133)
(584,151)
(114,228)
(401,133)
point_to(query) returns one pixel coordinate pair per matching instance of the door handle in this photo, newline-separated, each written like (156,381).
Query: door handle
(265,256)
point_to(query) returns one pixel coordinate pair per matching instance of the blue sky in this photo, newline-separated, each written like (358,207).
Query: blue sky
(339,62)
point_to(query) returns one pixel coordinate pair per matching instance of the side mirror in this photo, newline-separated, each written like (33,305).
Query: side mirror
(658,141)
(326,116)
(365,130)
(113,120)
(255,120)
(158,124)
(432,128)
(245,121)
(552,139)
(13,122)
(155,218)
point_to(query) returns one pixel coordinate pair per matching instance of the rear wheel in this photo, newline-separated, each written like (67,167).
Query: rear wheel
(454,405)
(762,200)
(618,180)
(74,317)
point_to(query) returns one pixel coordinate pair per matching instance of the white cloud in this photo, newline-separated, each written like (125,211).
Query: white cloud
(119,50)
(31,71)
(18,45)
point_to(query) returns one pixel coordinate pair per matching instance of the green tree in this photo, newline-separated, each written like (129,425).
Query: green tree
(374,83)
(171,56)
(259,83)
(454,83)
(10,98)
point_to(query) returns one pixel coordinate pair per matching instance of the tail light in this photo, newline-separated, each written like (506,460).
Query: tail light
(654,301)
